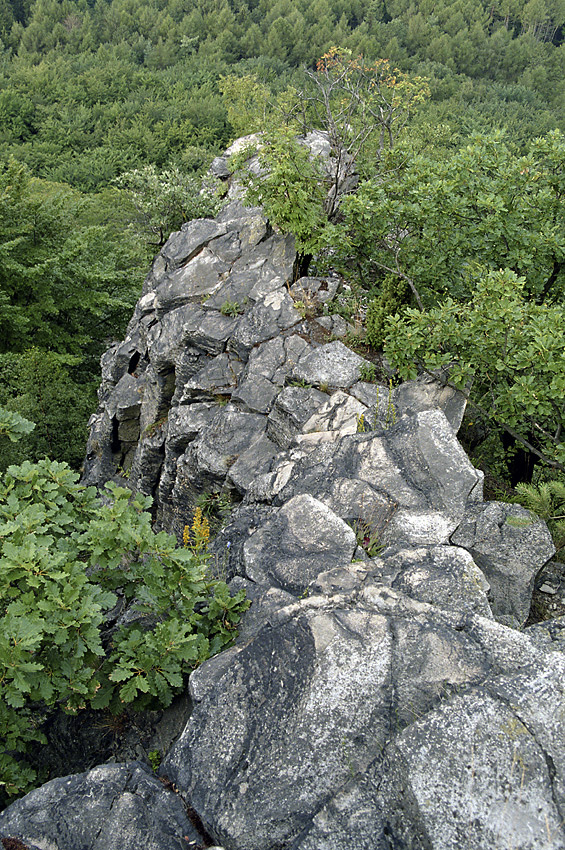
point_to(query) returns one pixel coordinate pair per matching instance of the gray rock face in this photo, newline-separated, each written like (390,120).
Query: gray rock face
(427,394)
(490,532)
(332,364)
(366,717)
(112,807)
(376,698)
(301,540)
(445,576)
(181,247)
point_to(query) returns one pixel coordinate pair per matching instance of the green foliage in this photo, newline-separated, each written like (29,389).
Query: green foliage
(359,106)
(547,500)
(367,372)
(67,557)
(89,91)
(384,415)
(247,102)
(62,276)
(42,386)
(215,508)
(299,382)
(14,426)
(505,352)
(362,105)
(367,538)
(435,223)
(155,758)
(165,200)
(68,273)
(231,308)
(289,186)
(393,294)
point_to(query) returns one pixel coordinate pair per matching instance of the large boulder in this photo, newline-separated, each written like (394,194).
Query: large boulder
(111,807)
(366,717)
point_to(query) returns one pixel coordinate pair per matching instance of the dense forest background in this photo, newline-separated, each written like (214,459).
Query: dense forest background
(109,109)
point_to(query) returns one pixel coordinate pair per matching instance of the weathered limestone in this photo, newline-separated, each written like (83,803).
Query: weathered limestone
(365,714)
(510,546)
(303,538)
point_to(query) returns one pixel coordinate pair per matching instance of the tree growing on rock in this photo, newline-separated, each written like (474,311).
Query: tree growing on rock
(361,108)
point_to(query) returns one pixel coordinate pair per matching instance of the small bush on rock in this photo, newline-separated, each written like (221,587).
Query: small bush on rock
(96,609)
(393,295)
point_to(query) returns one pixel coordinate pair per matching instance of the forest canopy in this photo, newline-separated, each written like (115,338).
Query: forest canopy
(111,110)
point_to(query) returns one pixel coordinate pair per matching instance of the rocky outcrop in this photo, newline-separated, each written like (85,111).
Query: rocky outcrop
(364,718)
(377,696)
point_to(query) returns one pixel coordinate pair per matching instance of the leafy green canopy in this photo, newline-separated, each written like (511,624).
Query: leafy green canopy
(14,426)
(479,236)
(289,185)
(63,277)
(360,108)
(67,559)
(439,223)
(69,273)
(91,90)
(503,351)
(165,200)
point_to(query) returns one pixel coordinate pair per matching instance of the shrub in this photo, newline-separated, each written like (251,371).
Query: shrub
(67,557)
(392,296)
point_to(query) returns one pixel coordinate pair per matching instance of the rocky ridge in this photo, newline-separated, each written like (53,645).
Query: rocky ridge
(380,694)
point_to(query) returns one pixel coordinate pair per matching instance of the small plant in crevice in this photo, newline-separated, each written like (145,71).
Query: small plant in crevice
(154,757)
(368,372)
(306,307)
(357,342)
(231,308)
(299,382)
(152,429)
(197,536)
(112,723)
(390,409)
(546,500)
(367,537)
(364,423)
(351,305)
(215,507)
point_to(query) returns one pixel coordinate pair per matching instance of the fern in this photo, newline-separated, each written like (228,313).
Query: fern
(547,500)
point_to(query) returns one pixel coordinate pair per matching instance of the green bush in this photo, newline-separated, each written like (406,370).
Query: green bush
(67,559)
(504,352)
(392,296)
(42,386)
